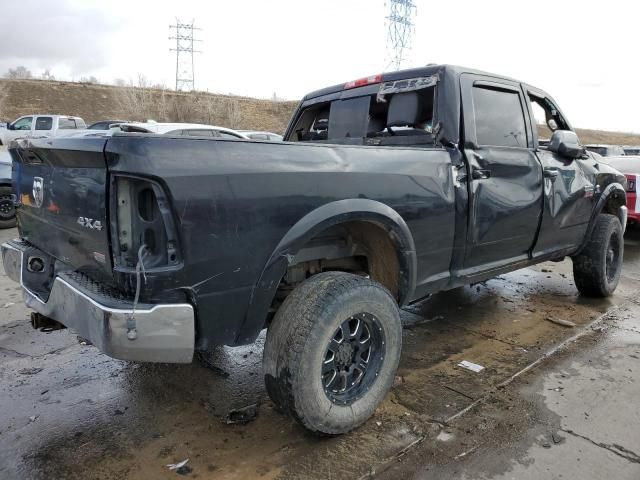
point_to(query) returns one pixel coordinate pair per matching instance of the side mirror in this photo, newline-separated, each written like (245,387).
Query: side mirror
(566,144)
(9,126)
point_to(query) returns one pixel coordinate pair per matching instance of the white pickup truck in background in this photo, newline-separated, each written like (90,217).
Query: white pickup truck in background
(40,126)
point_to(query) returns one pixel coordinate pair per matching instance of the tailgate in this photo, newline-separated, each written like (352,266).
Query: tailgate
(61,188)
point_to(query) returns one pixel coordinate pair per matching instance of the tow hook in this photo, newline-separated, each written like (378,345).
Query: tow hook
(40,322)
(132,333)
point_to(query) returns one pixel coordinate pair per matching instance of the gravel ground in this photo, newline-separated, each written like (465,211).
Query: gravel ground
(552,401)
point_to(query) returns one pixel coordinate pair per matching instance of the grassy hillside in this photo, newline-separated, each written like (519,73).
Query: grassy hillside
(99,102)
(613,138)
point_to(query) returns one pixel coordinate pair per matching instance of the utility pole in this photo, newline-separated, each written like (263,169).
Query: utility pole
(185,71)
(400,30)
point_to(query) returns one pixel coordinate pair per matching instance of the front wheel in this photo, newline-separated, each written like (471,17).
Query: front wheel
(597,268)
(332,351)
(7,208)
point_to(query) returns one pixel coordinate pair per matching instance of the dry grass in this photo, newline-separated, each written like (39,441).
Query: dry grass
(140,102)
(137,102)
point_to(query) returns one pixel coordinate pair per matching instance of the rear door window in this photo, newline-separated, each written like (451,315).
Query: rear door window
(499,117)
(44,123)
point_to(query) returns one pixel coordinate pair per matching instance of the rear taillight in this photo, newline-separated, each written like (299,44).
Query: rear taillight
(361,82)
(143,218)
(631,183)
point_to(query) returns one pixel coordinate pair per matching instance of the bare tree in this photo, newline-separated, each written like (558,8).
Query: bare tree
(231,112)
(92,80)
(4,91)
(136,99)
(20,72)
(47,75)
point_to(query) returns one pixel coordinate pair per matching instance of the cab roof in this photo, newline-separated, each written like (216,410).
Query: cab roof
(428,70)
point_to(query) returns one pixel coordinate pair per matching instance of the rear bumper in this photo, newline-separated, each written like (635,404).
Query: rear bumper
(163,333)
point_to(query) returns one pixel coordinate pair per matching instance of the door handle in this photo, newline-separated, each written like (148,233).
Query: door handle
(479,174)
(551,172)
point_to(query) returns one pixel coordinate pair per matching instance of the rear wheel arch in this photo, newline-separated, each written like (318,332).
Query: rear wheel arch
(374,225)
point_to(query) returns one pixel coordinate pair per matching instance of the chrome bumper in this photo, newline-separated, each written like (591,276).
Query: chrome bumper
(164,333)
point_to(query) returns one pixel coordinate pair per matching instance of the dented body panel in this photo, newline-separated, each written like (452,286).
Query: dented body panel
(219,223)
(257,202)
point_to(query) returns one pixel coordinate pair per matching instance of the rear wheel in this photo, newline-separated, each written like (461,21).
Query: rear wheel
(596,270)
(332,351)
(7,208)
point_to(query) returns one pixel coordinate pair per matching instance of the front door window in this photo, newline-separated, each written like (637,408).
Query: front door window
(23,123)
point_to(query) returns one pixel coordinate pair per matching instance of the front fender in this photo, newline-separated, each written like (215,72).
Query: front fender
(613,196)
(310,225)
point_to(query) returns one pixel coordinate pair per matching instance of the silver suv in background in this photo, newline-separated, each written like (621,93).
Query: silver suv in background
(632,150)
(264,136)
(40,126)
(606,150)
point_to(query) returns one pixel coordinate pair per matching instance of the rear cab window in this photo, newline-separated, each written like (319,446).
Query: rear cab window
(66,123)
(395,113)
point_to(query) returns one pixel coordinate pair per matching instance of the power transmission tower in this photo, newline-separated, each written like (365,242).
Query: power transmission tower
(399,30)
(185,72)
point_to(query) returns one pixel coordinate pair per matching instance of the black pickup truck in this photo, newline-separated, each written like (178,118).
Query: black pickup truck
(386,189)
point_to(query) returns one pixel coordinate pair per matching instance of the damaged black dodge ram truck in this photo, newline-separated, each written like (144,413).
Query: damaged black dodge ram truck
(387,189)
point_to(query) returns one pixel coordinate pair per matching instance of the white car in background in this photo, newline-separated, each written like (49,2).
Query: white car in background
(187,129)
(40,126)
(182,129)
(265,136)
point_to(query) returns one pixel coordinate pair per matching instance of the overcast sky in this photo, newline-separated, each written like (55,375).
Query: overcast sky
(585,54)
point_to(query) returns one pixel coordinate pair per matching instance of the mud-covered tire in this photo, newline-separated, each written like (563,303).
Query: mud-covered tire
(7,208)
(597,268)
(303,336)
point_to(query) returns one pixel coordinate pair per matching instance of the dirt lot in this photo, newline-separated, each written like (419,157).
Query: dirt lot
(552,402)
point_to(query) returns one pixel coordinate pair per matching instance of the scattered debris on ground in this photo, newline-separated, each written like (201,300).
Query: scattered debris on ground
(242,415)
(474,367)
(176,466)
(559,321)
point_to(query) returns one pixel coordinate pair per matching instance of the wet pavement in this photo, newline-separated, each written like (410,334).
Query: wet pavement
(552,401)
